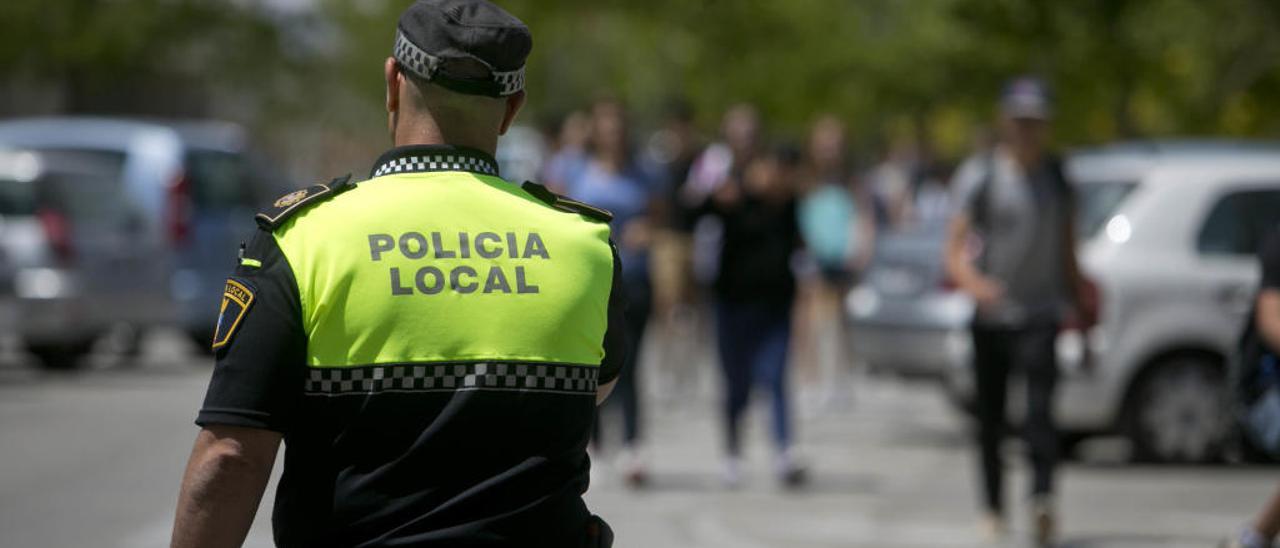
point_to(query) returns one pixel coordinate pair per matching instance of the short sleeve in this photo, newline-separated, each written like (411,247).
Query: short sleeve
(966,182)
(1270,259)
(260,344)
(615,335)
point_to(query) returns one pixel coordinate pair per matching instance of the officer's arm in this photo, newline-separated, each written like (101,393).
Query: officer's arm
(252,400)
(225,478)
(603,391)
(615,336)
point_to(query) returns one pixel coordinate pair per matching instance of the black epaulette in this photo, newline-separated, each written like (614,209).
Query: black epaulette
(566,204)
(289,204)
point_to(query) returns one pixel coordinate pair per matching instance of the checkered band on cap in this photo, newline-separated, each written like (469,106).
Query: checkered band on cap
(412,57)
(442,162)
(453,377)
(425,66)
(511,82)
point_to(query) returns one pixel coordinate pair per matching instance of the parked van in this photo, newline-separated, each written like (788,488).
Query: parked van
(129,222)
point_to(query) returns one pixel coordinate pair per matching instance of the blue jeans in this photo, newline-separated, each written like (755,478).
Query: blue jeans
(753,341)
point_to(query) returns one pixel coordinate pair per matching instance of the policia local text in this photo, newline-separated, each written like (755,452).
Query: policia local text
(463,279)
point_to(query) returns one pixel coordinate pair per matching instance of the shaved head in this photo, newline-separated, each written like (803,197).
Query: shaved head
(422,111)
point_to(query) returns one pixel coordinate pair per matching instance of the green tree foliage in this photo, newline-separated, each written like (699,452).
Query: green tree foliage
(125,54)
(931,68)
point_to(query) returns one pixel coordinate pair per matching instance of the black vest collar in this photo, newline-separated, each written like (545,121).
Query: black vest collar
(428,158)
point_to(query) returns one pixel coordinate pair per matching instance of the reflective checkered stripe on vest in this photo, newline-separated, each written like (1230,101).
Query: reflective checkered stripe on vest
(448,281)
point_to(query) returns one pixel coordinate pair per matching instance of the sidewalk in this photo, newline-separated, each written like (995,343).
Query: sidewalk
(894,469)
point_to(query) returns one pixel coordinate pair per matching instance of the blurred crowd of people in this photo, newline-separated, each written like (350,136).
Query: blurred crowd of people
(755,242)
(753,239)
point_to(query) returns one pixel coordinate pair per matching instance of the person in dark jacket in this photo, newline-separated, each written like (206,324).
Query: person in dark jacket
(1263,530)
(754,291)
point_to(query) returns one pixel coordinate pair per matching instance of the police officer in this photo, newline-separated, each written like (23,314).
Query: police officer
(430,343)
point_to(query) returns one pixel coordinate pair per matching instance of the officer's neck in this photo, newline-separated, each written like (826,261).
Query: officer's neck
(424,131)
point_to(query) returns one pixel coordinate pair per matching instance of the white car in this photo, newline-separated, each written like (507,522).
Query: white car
(1169,231)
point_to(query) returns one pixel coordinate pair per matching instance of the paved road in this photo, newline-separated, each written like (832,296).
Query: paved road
(94,458)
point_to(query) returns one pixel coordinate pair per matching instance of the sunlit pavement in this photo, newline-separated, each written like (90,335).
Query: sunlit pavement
(94,459)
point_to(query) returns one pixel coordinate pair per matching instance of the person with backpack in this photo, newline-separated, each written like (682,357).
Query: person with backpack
(1259,389)
(1011,246)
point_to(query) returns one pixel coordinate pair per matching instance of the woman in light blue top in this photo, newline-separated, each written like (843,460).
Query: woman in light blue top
(610,177)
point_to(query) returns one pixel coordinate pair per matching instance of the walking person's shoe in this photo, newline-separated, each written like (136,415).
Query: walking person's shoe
(1043,521)
(792,472)
(992,528)
(731,472)
(635,472)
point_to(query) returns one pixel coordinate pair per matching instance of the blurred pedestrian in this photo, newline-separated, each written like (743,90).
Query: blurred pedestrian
(893,182)
(1012,247)
(720,163)
(670,154)
(612,177)
(433,341)
(931,207)
(570,151)
(838,230)
(681,321)
(755,290)
(1259,374)
(727,158)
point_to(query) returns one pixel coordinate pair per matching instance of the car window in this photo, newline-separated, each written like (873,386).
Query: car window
(85,197)
(1097,202)
(1237,222)
(85,184)
(218,179)
(17,197)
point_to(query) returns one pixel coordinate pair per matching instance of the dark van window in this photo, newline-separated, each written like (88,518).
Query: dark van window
(93,198)
(17,197)
(218,179)
(85,184)
(1238,221)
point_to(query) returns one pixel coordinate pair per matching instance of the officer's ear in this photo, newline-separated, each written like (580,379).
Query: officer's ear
(391,72)
(514,103)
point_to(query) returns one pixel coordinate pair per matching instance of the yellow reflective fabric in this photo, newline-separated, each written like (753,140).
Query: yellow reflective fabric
(428,267)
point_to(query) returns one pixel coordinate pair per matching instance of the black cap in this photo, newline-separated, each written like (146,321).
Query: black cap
(468,46)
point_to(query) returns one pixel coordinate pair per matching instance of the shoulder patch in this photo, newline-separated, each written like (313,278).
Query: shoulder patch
(289,204)
(566,204)
(237,297)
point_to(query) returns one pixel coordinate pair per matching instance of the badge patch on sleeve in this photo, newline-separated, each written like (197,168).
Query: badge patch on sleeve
(236,300)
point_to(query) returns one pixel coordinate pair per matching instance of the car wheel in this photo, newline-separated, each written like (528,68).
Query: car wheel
(1178,412)
(63,356)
